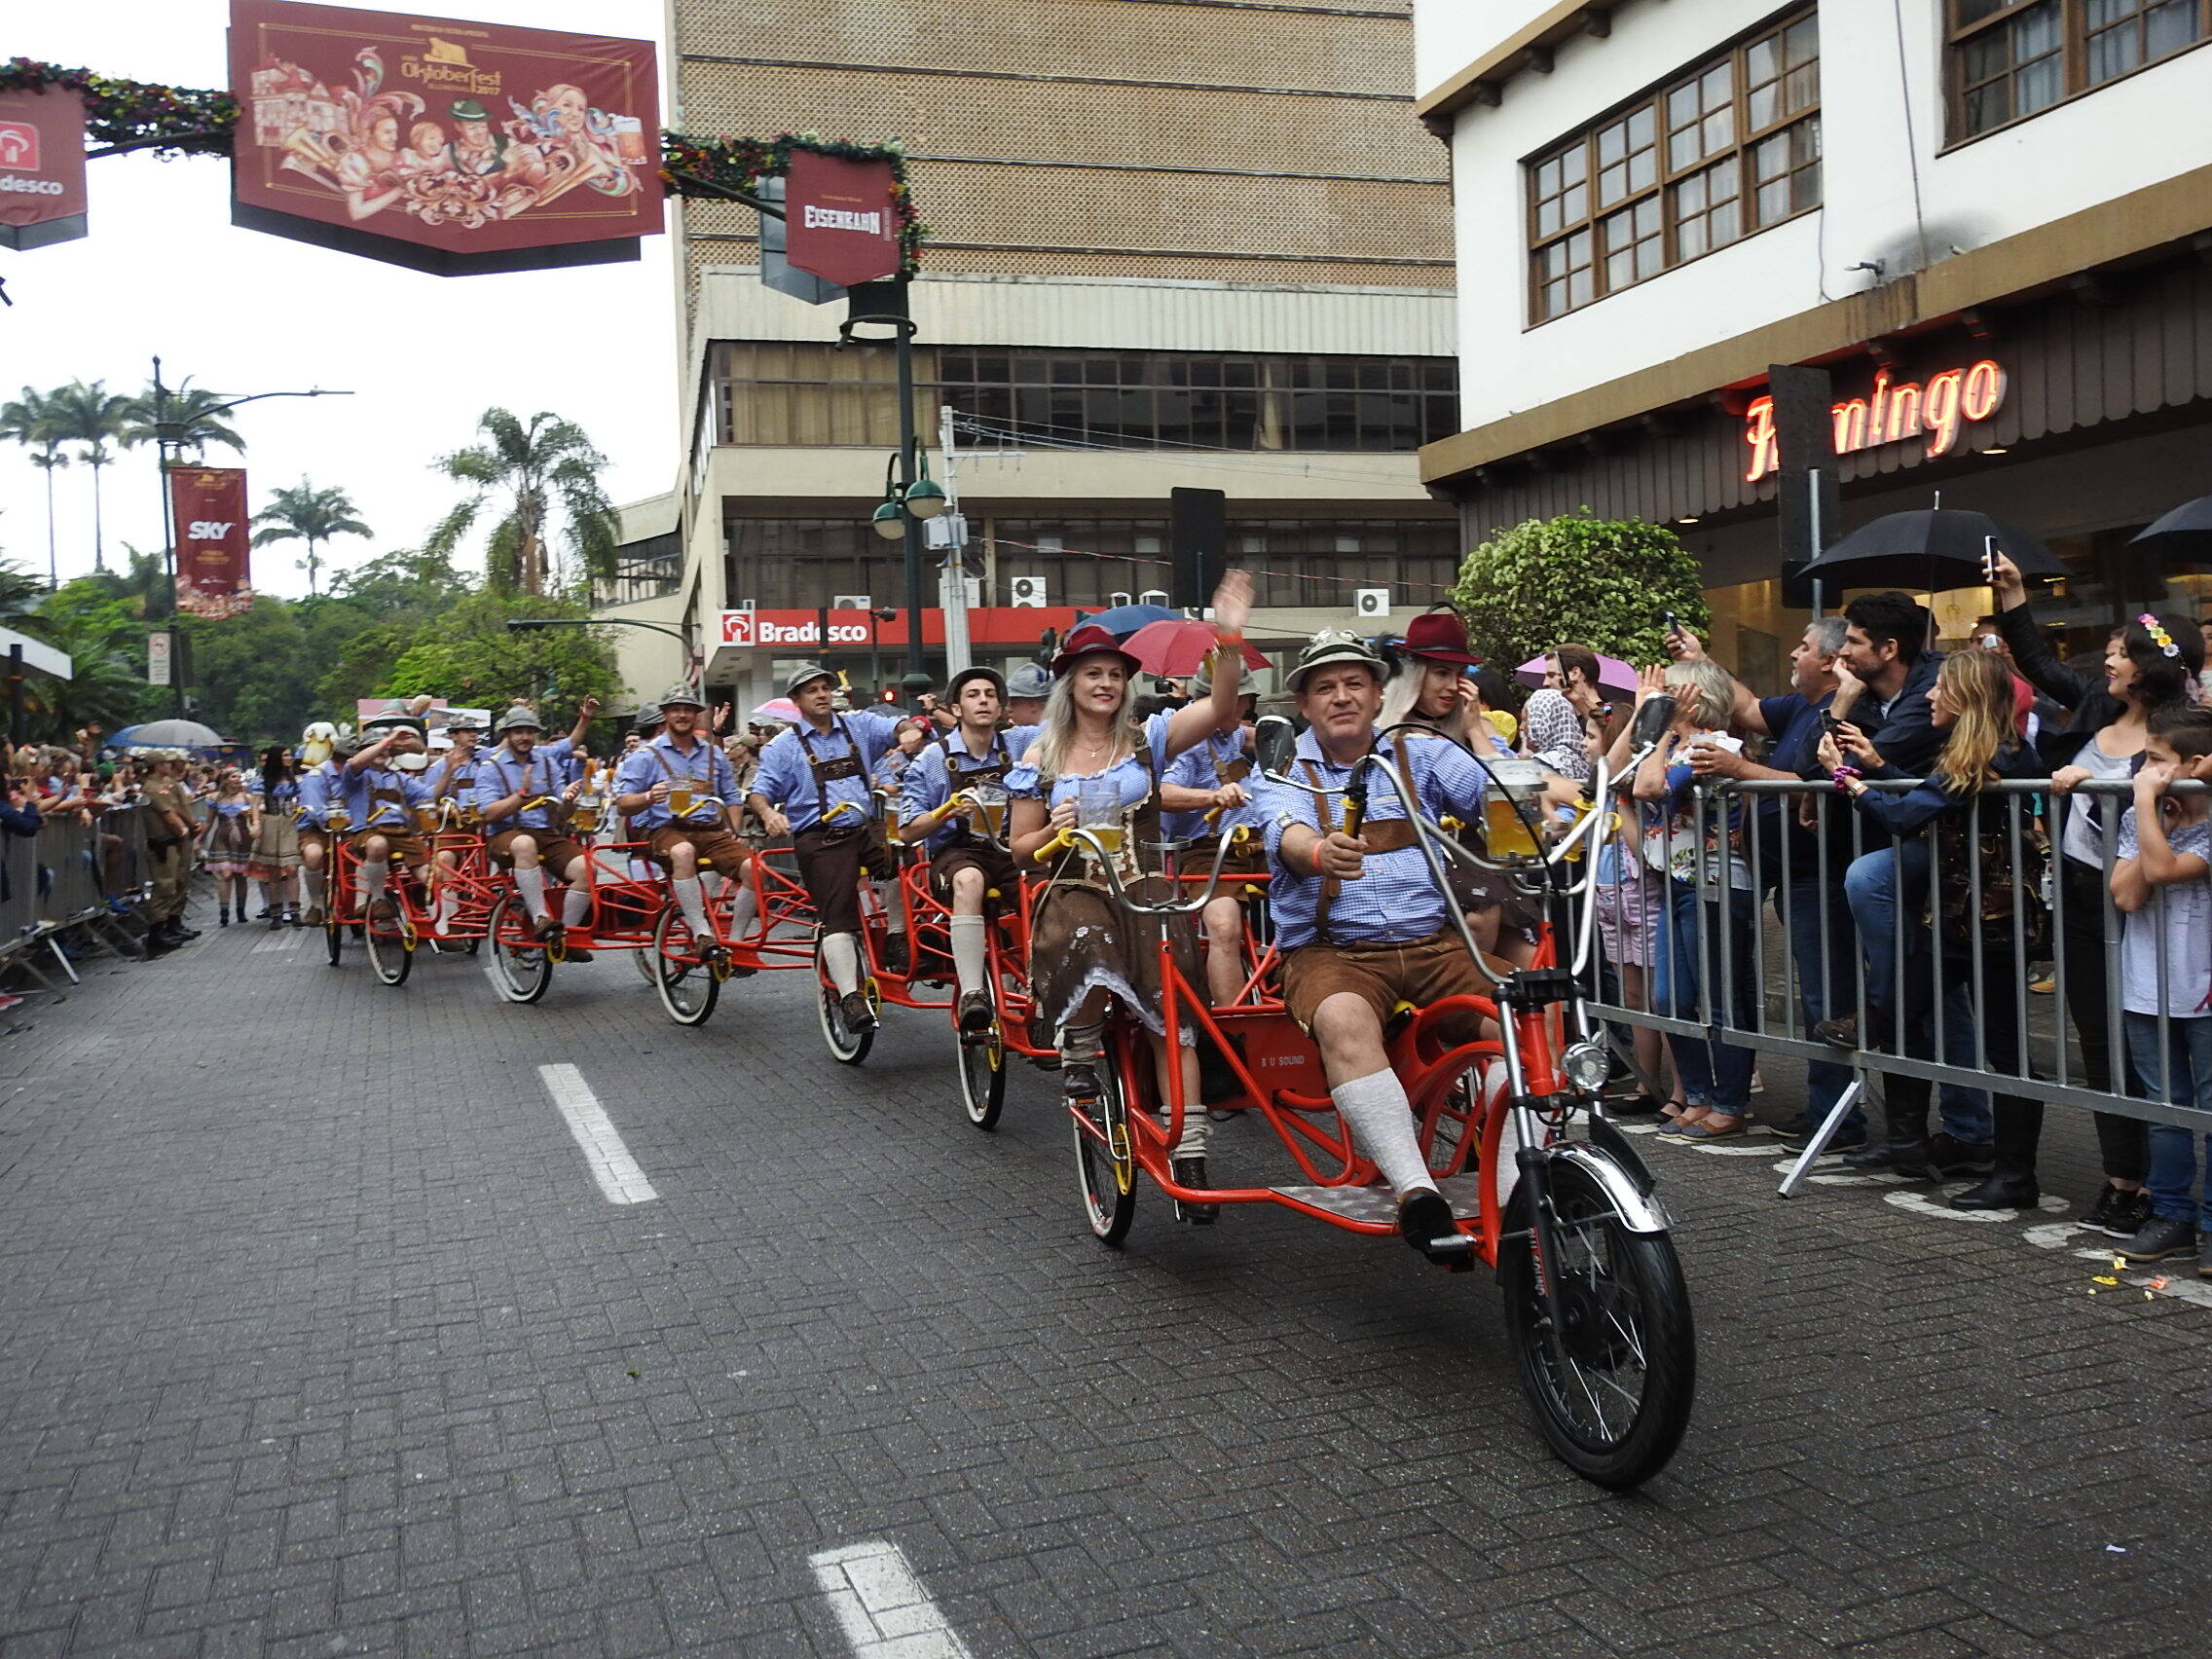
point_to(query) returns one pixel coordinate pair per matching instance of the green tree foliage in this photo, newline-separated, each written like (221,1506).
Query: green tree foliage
(197,414)
(310,515)
(108,684)
(100,420)
(531,470)
(471,657)
(1607,583)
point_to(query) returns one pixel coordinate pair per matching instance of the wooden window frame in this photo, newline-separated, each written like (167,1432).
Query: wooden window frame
(1654,100)
(2072,55)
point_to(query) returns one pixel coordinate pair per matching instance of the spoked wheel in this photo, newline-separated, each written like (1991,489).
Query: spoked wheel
(520,967)
(983,1075)
(847,1046)
(1612,1385)
(688,987)
(1104,1161)
(391,950)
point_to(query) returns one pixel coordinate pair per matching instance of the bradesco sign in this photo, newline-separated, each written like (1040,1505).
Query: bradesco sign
(42,168)
(1935,410)
(801,630)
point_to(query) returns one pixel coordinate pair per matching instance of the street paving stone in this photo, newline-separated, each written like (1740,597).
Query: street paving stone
(319,1339)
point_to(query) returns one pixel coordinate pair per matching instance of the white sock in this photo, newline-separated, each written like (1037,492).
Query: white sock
(742,910)
(576,904)
(840,954)
(1381,1117)
(314,887)
(692,900)
(530,884)
(441,913)
(373,877)
(970,961)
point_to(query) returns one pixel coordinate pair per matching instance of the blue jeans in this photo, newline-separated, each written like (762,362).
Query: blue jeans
(1717,1075)
(2182,1077)
(1815,912)
(1875,886)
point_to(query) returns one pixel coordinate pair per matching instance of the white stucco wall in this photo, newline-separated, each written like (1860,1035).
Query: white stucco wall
(1878,130)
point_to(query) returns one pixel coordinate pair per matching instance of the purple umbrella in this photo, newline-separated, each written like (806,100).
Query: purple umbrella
(1614,675)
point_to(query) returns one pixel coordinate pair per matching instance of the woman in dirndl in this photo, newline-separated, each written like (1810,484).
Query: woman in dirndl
(233,820)
(274,861)
(1086,952)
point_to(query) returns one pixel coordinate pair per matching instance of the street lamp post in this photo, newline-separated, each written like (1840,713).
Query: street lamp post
(169,442)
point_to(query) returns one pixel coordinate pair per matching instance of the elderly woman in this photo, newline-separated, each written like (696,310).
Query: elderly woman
(1093,762)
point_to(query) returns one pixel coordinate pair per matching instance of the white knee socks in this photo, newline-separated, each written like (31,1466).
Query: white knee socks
(743,908)
(530,884)
(693,903)
(841,956)
(314,887)
(887,901)
(575,905)
(1376,1110)
(373,877)
(968,957)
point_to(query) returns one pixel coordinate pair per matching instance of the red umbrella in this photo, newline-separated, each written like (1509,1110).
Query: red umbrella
(1177,647)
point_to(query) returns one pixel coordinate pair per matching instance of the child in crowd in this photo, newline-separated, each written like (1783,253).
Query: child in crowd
(2163,882)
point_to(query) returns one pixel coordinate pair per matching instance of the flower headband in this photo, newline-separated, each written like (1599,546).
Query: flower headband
(2165,641)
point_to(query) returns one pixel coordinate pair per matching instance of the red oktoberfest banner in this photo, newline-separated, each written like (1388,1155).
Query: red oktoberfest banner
(208,507)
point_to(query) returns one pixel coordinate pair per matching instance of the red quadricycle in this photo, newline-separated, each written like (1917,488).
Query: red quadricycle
(916,973)
(1506,1089)
(450,911)
(688,972)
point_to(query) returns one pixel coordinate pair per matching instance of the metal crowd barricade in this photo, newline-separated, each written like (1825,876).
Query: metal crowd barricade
(1732,898)
(71,876)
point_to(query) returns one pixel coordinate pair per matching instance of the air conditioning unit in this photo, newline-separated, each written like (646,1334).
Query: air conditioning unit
(1369,603)
(849,601)
(1115,599)
(1152,596)
(1028,592)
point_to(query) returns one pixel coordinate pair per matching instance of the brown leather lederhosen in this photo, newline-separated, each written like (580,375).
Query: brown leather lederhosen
(407,847)
(1381,835)
(967,850)
(832,858)
(711,843)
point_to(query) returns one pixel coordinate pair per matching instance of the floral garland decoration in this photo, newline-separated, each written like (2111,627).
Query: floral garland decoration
(183,120)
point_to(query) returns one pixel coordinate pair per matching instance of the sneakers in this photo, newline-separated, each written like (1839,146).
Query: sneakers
(976,1011)
(2118,1213)
(1949,1156)
(2163,1236)
(858,1011)
(2042,978)
(1191,1172)
(1425,1220)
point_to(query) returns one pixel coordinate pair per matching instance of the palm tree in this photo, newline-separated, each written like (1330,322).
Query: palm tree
(31,421)
(107,684)
(311,515)
(531,467)
(95,417)
(194,411)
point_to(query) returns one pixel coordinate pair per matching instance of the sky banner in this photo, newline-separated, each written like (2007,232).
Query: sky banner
(42,168)
(451,147)
(207,504)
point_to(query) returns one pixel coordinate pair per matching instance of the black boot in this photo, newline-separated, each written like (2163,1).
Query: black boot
(2011,1181)
(1903,1146)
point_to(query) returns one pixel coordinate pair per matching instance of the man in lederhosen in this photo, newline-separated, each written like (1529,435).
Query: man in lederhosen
(380,797)
(812,786)
(1360,920)
(524,802)
(965,865)
(683,768)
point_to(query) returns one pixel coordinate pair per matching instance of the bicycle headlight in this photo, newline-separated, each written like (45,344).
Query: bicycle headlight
(1587,1066)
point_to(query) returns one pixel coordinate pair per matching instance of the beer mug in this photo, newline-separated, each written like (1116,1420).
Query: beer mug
(1098,809)
(336,820)
(679,798)
(1513,779)
(426,818)
(991,809)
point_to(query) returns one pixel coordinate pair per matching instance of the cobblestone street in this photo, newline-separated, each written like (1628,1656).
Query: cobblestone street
(322,1337)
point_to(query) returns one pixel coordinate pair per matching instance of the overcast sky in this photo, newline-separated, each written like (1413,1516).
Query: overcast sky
(163,272)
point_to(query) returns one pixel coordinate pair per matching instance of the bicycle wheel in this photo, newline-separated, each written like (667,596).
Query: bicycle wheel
(334,938)
(846,1045)
(521,970)
(1109,1181)
(391,950)
(983,1076)
(1611,1385)
(686,986)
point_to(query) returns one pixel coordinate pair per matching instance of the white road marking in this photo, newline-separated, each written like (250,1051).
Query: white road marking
(617,1174)
(290,939)
(885,1611)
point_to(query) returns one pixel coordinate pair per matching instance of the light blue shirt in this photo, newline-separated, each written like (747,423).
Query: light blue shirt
(501,772)
(1395,898)
(1132,778)
(315,793)
(788,781)
(714,782)
(1200,768)
(928,785)
(459,783)
(369,813)
(2181,911)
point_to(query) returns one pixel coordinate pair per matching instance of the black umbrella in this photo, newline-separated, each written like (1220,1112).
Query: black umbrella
(1936,549)
(2182,537)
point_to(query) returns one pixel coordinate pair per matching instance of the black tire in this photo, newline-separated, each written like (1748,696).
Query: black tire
(391,950)
(687,988)
(521,973)
(1109,1183)
(1613,1397)
(334,939)
(981,1062)
(846,1045)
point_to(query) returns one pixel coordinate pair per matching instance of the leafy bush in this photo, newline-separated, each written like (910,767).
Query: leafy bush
(1607,583)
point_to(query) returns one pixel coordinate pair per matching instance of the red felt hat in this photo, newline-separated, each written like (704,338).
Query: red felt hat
(1085,640)
(1439,637)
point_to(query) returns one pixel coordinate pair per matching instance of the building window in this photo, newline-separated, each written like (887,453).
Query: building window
(651,568)
(800,564)
(2009,60)
(1730,147)
(1189,400)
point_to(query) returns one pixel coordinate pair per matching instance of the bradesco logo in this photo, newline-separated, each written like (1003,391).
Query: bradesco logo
(18,148)
(747,629)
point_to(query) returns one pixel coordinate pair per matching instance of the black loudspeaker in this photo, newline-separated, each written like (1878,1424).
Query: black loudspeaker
(1808,509)
(1196,533)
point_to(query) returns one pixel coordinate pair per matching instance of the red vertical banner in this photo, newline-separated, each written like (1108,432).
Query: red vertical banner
(840,218)
(42,168)
(208,507)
